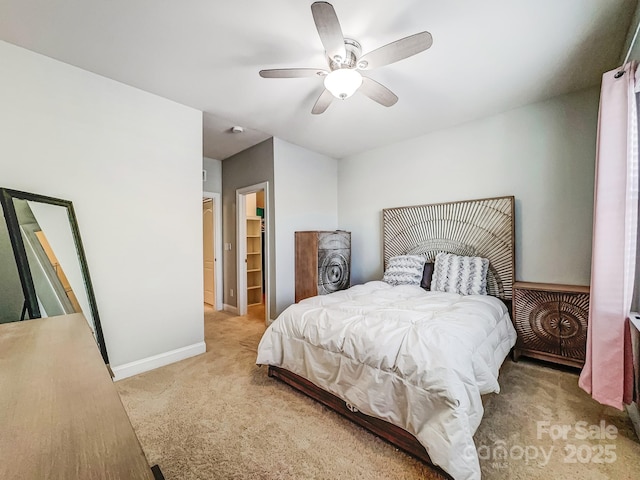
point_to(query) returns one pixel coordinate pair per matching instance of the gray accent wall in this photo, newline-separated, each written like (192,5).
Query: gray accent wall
(303,190)
(249,167)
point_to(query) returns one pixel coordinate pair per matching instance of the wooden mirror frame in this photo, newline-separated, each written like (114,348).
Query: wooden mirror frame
(20,254)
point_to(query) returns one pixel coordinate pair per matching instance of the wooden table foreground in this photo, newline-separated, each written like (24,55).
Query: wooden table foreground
(60,414)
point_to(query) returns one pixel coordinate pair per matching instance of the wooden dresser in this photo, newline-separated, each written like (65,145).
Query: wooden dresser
(323,262)
(551,321)
(60,414)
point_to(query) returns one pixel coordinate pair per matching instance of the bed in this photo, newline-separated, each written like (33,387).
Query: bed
(406,363)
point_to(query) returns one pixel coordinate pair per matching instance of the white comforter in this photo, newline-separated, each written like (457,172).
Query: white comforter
(417,359)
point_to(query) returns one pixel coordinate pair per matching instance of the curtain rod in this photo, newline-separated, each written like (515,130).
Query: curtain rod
(620,72)
(633,41)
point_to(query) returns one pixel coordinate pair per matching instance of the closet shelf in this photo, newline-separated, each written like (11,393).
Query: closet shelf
(254,259)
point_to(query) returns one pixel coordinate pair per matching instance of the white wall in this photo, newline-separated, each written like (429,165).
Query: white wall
(542,153)
(306,193)
(214,175)
(131,164)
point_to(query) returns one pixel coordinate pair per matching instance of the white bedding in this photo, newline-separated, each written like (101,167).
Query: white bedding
(417,359)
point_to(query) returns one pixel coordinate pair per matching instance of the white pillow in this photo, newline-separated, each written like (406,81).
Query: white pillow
(404,270)
(457,274)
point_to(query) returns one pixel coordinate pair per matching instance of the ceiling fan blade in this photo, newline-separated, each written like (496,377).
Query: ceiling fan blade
(394,51)
(329,29)
(293,73)
(378,93)
(324,100)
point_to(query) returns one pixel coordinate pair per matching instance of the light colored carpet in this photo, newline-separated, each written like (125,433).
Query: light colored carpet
(218,416)
(542,411)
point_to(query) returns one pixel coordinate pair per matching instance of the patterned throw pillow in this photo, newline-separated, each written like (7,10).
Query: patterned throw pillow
(404,270)
(457,274)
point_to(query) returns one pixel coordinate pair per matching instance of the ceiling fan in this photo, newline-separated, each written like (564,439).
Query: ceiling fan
(346,61)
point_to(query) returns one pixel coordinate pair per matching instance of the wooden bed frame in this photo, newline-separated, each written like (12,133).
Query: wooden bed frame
(397,436)
(482,228)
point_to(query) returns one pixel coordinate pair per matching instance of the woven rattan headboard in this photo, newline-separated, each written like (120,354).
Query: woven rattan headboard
(483,228)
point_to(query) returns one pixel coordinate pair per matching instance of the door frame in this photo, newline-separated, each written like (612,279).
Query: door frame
(217,246)
(241,231)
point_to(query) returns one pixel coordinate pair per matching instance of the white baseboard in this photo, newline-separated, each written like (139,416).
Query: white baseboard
(230,309)
(156,361)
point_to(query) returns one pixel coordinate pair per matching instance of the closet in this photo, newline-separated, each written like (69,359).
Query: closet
(254,261)
(255,241)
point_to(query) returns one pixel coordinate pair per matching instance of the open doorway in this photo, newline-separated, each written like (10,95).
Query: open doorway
(253,251)
(212,250)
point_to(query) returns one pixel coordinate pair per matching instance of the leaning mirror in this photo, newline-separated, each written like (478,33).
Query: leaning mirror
(49,275)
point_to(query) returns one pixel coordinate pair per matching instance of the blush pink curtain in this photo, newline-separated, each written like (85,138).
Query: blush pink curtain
(608,370)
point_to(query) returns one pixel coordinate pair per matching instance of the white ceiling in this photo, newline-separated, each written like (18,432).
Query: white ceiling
(487,57)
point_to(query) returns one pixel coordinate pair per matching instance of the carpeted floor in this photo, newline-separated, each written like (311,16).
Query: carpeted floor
(218,416)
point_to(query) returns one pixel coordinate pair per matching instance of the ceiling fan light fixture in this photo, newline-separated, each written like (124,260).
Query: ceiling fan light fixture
(345,58)
(343,83)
